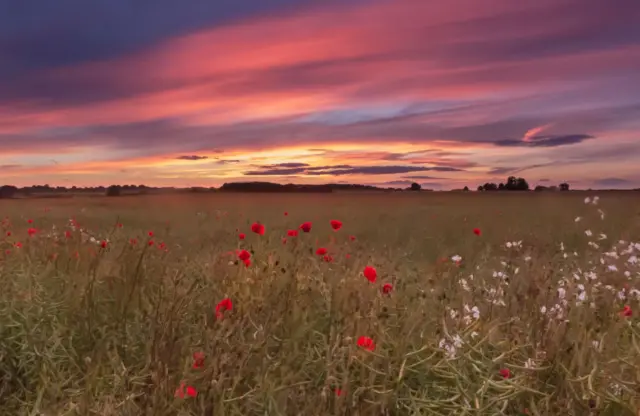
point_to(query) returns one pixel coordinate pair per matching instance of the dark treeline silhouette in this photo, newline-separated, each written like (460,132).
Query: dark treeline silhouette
(562,187)
(512,184)
(276,187)
(520,184)
(9,191)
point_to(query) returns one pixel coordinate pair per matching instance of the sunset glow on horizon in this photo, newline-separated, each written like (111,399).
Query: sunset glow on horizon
(386,92)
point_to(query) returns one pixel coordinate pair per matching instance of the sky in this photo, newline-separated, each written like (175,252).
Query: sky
(387,92)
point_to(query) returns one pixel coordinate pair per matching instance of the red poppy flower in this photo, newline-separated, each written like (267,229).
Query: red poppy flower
(505,373)
(133,241)
(258,228)
(150,233)
(336,225)
(387,288)
(292,233)
(321,251)
(103,244)
(247,262)
(32,232)
(222,306)
(190,391)
(327,258)
(284,240)
(67,234)
(306,226)
(348,256)
(150,243)
(338,392)
(626,311)
(241,236)
(477,231)
(162,246)
(366,343)
(198,360)
(8,233)
(244,255)
(370,273)
(286,213)
(119,225)
(30,221)
(7,251)
(18,244)
(352,237)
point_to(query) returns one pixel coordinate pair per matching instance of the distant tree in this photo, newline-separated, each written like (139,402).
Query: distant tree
(466,189)
(540,188)
(489,186)
(501,187)
(564,186)
(415,187)
(516,184)
(114,190)
(7,191)
(522,185)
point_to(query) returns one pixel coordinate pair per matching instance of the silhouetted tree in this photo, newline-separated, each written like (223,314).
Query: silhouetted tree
(564,186)
(8,191)
(114,190)
(489,186)
(501,187)
(466,189)
(516,184)
(415,187)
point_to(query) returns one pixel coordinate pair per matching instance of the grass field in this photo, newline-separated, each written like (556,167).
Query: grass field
(96,321)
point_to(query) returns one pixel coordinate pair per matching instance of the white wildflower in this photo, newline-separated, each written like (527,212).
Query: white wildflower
(588,233)
(582,296)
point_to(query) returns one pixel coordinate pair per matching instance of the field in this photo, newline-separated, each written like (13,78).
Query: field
(481,304)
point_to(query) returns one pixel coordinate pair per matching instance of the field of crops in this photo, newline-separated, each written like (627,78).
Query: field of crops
(404,304)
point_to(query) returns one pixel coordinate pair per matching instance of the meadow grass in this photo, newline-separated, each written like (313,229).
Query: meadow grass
(531,320)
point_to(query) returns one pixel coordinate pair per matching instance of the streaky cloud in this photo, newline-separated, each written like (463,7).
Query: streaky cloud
(192,157)
(546,141)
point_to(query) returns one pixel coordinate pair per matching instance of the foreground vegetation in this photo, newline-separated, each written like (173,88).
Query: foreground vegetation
(480,304)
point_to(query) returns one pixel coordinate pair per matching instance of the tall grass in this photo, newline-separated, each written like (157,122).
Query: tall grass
(87,330)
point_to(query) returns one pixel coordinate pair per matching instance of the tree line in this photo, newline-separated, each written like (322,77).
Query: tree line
(514,183)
